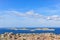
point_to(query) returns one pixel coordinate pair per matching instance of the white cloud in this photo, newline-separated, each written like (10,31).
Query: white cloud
(54,17)
(30,18)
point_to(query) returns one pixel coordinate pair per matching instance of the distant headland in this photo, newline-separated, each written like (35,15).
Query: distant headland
(33,29)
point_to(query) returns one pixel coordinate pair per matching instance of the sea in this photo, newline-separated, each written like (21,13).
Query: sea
(3,30)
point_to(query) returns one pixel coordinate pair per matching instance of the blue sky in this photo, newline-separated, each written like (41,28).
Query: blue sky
(29,13)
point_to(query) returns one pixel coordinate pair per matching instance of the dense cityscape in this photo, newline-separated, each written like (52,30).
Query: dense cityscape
(29,36)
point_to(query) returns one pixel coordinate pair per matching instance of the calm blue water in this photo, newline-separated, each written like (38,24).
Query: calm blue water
(3,30)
